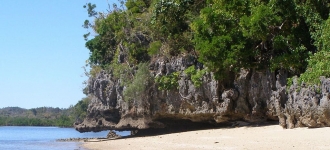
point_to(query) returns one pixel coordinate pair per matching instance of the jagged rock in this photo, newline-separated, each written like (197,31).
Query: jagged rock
(252,96)
(112,134)
(307,106)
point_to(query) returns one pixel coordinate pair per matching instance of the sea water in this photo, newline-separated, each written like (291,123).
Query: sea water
(43,138)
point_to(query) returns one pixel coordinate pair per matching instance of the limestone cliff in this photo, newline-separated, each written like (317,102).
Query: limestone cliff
(251,96)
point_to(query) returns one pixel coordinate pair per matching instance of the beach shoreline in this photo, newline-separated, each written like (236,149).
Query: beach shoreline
(262,137)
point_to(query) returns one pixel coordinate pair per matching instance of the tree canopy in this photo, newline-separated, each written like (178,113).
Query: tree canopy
(225,35)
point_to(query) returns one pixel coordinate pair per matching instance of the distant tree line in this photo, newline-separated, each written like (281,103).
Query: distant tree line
(63,121)
(44,116)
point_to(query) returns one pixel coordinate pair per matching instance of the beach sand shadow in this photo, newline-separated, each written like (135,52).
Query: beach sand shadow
(181,126)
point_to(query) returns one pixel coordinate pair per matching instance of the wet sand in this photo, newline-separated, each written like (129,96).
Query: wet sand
(271,137)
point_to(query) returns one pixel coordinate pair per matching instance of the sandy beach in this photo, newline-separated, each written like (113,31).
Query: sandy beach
(247,138)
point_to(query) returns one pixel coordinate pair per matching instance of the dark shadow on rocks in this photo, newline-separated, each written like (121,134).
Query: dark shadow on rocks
(180,126)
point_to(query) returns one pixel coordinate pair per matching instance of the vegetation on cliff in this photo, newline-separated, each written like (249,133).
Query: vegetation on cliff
(224,35)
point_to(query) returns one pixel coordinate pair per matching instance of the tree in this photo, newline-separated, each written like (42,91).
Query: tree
(80,109)
(225,35)
(256,34)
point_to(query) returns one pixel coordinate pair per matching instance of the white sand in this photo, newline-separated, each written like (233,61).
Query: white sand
(246,138)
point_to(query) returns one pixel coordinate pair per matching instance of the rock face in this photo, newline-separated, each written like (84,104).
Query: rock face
(307,106)
(112,135)
(251,96)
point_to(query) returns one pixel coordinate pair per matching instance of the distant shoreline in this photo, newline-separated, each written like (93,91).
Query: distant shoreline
(42,116)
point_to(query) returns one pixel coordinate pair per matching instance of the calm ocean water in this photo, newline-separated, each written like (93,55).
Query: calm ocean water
(43,138)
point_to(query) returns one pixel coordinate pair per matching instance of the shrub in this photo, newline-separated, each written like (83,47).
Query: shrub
(196,76)
(318,65)
(154,48)
(95,70)
(136,89)
(168,82)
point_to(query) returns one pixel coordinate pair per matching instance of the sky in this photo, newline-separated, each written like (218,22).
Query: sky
(42,51)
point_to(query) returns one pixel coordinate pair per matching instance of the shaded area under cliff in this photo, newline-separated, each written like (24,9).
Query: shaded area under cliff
(177,126)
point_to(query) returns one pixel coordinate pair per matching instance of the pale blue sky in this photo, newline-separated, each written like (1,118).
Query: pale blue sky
(42,52)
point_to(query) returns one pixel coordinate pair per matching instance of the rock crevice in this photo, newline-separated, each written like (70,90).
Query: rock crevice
(253,96)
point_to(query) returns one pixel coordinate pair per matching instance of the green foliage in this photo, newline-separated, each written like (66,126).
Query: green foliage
(23,121)
(137,51)
(258,34)
(170,14)
(91,13)
(170,21)
(90,9)
(117,29)
(136,6)
(168,82)
(257,24)
(80,109)
(101,50)
(62,121)
(196,76)
(218,39)
(295,60)
(224,35)
(103,46)
(325,37)
(290,82)
(136,89)
(42,116)
(121,71)
(95,70)
(318,65)
(154,48)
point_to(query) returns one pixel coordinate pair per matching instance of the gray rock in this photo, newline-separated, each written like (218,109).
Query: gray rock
(307,106)
(251,96)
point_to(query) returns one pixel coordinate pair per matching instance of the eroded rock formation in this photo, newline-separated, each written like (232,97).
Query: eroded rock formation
(251,96)
(307,106)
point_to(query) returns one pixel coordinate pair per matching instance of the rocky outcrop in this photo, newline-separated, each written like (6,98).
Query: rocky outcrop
(307,106)
(112,134)
(251,95)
